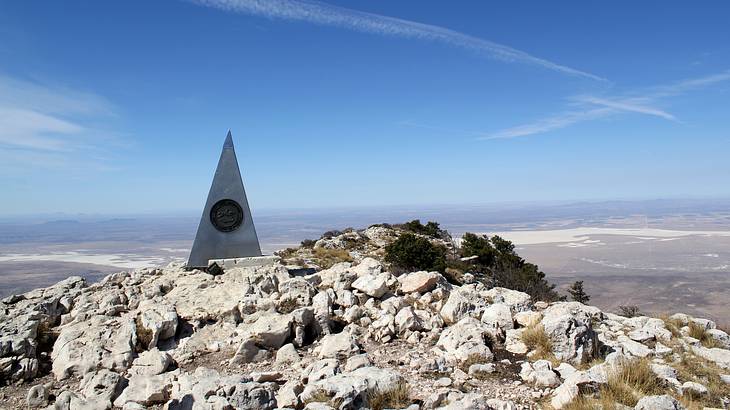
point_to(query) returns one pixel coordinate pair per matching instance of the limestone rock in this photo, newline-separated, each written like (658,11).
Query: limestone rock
(720,337)
(146,390)
(151,362)
(338,345)
(98,342)
(527,318)
(464,301)
(469,401)
(720,357)
(371,285)
(367,266)
(568,325)
(516,300)
(663,402)
(478,369)
(420,282)
(351,389)
(320,370)
(339,276)
(252,396)
(498,316)
(379,235)
(288,395)
(633,348)
(270,329)
(287,354)
(407,319)
(694,388)
(37,396)
(102,384)
(467,341)
(296,292)
(513,341)
(540,374)
(564,395)
(249,351)
(497,404)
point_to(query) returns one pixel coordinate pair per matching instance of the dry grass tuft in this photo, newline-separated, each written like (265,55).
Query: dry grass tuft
(700,333)
(321,396)
(473,359)
(397,398)
(535,338)
(673,325)
(328,257)
(604,402)
(697,369)
(144,335)
(287,305)
(632,380)
(587,365)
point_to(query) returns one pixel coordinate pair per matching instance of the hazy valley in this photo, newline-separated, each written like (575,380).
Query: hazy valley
(663,256)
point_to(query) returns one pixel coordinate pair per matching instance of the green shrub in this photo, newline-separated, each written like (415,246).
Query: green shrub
(498,264)
(412,252)
(431,229)
(577,293)
(308,243)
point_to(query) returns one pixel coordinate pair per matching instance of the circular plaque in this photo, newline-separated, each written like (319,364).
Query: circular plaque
(226,215)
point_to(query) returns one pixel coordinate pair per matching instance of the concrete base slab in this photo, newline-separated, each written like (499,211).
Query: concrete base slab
(247,262)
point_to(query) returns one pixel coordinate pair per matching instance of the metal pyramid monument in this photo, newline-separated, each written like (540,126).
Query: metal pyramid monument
(226,228)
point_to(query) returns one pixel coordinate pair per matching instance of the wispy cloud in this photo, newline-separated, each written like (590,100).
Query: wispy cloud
(593,107)
(329,15)
(49,125)
(550,123)
(39,117)
(637,105)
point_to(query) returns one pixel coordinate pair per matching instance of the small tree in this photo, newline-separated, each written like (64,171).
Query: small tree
(479,246)
(629,310)
(431,229)
(577,293)
(497,264)
(416,253)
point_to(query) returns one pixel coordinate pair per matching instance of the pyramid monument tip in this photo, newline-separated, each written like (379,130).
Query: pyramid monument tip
(229,140)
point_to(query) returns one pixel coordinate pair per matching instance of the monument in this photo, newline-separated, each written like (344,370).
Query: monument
(226,234)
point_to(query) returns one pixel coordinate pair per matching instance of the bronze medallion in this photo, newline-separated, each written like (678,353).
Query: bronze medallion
(226,215)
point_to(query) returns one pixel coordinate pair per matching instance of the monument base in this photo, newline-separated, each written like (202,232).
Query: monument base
(247,262)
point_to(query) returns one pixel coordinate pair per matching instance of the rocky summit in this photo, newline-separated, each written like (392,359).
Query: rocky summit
(333,326)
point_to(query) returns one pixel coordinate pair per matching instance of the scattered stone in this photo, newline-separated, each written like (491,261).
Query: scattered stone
(159,320)
(287,354)
(339,345)
(37,396)
(420,282)
(663,402)
(694,388)
(425,338)
(261,377)
(146,390)
(481,370)
(467,341)
(102,384)
(151,362)
(540,374)
(371,285)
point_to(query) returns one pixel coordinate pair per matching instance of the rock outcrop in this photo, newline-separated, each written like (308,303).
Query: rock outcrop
(353,335)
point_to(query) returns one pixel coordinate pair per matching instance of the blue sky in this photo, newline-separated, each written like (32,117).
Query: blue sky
(122,107)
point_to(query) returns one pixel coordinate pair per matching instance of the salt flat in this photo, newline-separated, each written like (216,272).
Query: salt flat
(584,235)
(122,261)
